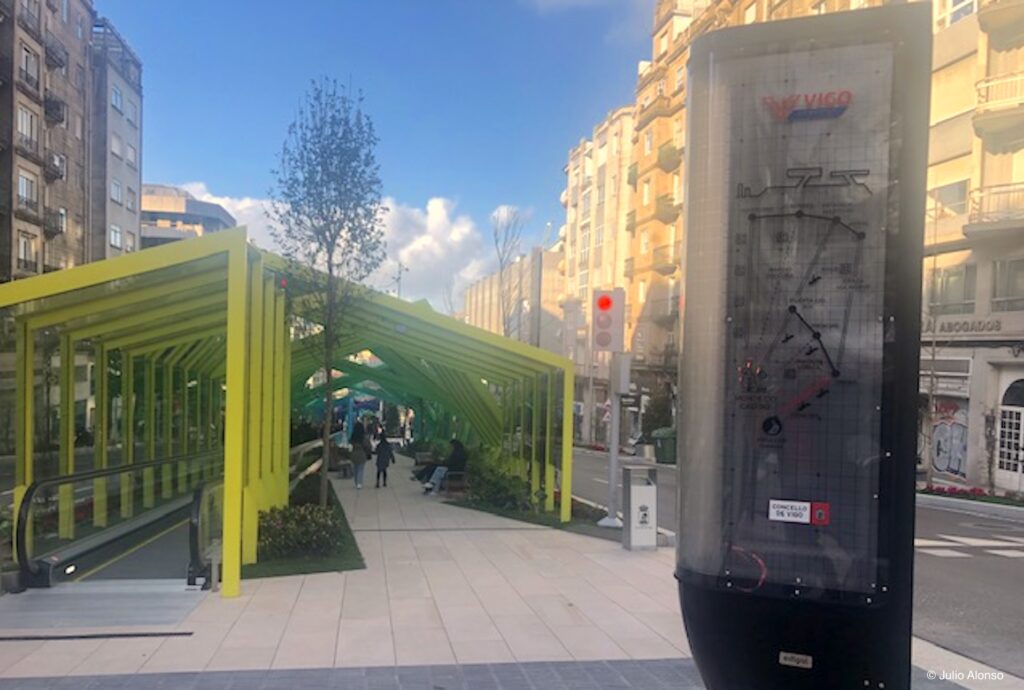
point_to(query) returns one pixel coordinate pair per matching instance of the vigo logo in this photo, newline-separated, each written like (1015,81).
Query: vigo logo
(825,105)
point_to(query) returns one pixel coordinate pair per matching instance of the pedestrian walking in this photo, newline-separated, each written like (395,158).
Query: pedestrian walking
(385,457)
(360,452)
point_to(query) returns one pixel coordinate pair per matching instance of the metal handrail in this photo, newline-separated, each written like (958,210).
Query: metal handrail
(199,565)
(997,203)
(25,562)
(1006,90)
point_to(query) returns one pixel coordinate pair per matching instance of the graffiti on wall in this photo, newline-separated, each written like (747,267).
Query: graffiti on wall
(949,436)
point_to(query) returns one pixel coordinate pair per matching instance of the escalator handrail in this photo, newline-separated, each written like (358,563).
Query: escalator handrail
(197,558)
(26,563)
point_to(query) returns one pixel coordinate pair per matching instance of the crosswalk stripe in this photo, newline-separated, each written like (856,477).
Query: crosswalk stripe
(919,543)
(983,543)
(945,553)
(1008,553)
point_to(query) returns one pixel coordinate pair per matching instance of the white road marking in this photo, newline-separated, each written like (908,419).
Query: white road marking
(1019,540)
(983,543)
(945,553)
(601,481)
(1008,553)
(919,543)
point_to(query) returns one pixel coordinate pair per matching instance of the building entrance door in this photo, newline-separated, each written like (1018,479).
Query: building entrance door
(1010,459)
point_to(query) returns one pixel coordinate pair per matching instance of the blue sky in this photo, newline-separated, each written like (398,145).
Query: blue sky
(476,102)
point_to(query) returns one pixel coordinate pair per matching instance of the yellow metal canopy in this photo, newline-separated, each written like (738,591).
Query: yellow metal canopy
(190,350)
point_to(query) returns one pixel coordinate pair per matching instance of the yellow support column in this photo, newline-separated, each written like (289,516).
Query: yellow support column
(269,394)
(549,447)
(284,372)
(234,425)
(166,420)
(100,425)
(66,492)
(254,443)
(534,440)
(567,423)
(149,394)
(184,480)
(127,433)
(24,410)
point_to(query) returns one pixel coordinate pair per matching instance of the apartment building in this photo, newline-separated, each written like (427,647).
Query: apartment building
(44,153)
(116,143)
(170,214)
(532,287)
(597,203)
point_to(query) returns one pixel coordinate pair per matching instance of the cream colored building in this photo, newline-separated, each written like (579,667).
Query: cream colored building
(532,285)
(170,214)
(596,199)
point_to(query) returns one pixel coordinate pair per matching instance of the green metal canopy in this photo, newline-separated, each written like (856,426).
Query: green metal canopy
(188,348)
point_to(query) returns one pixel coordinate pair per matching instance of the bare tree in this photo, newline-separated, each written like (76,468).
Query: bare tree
(507,230)
(448,297)
(329,216)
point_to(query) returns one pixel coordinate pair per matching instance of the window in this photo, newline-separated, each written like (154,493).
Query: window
(115,146)
(857,4)
(663,43)
(641,291)
(116,193)
(26,251)
(27,185)
(78,126)
(646,192)
(115,236)
(129,242)
(64,11)
(949,12)
(132,155)
(750,13)
(1008,287)
(953,290)
(29,65)
(62,219)
(27,124)
(117,99)
(948,200)
(133,199)
(133,113)
(820,7)
(79,77)
(648,141)
(80,28)
(680,76)
(586,203)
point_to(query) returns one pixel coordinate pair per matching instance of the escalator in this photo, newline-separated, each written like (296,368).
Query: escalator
(133,522)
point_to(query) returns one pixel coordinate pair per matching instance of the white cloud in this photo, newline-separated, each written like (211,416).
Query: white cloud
(436,244)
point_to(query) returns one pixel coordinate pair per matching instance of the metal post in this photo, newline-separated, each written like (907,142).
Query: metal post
(66,498)
(618,383)
(100,422)
(149,475)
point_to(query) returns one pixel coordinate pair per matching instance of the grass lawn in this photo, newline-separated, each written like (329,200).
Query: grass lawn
(584,518)
(345,557)
(978,498)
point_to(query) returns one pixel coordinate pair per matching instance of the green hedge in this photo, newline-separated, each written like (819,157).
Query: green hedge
(304,529)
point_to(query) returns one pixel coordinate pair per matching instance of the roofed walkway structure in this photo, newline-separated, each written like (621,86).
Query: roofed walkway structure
(140,379)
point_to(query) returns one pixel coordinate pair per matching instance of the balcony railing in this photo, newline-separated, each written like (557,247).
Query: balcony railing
(627,268)
(669,158)
(27,265)
(54,108)
(28,204)
(998,93)
(56,53)
(631,222)
(27,146)
(658,107)
(28,18)
(666,209)
(53,223)
(997,204)
(54,166)
(29,79)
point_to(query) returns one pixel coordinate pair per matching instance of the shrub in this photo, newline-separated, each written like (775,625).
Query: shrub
(299,530)
(489,485)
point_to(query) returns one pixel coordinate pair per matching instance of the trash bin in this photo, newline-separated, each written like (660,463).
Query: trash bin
(664,445)
(639,507)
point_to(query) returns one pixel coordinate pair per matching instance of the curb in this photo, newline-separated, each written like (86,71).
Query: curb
(969,507)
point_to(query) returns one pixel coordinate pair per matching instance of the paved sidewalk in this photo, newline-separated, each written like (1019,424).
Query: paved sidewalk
(446,588)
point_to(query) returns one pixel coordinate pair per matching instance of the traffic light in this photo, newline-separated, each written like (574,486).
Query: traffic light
(608,316)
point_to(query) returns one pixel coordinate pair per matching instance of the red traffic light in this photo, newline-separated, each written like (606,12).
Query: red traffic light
(604,302)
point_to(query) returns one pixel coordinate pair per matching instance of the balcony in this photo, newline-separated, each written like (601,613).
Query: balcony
(28,265)
(665,259)
(631,176)
(27,209)
(659,107)
(996,212)
(1003,21)
(669,158)
(28,147)
(53,224)
(631,222)
(999,113)
(54,166)
(28,19)
(56,53)
(666,210)
(627,268)
(54,108)
(28,83)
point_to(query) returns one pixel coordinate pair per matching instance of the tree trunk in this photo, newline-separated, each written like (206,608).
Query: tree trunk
(329,385)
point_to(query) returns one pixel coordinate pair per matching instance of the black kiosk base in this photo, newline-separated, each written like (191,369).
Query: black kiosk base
(743,642)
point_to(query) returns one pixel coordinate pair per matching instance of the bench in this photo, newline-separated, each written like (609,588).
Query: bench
(454,482)
(424,459)
(345,469)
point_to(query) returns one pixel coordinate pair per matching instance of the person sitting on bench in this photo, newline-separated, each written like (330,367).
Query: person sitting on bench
(456,462)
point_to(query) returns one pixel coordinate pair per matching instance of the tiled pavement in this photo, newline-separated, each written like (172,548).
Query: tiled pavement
(484,602)
(669,674)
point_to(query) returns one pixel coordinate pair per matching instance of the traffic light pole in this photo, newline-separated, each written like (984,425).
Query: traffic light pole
(618,384)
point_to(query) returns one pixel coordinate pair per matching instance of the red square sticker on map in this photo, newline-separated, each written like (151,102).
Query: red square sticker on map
(819,513)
